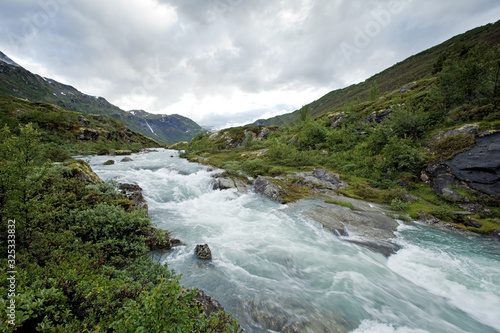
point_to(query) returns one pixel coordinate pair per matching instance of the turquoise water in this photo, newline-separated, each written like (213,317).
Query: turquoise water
(277,270)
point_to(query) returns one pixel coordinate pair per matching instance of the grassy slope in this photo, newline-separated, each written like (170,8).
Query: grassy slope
(412,69)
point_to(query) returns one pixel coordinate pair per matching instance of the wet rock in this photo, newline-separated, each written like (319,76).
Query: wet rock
(207,303)
(134,194)
(109,162)
(220,182)
(266,187)
(496,234)
(203,252)
(294,319)
(127,159)
(372,229)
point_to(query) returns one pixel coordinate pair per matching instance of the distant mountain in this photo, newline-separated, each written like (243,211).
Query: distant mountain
(8,60)
(19,82)
(412,69)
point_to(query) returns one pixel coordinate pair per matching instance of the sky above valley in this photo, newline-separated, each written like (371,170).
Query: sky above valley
(225,62)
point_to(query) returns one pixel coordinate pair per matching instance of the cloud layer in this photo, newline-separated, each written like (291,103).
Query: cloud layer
(225,62)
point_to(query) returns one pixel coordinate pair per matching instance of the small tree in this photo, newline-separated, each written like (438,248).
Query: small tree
(304,114)
(374,92)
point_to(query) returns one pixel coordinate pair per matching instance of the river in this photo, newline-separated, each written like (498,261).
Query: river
(276,270)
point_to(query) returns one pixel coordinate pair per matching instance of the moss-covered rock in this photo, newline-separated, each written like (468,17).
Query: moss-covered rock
(83,172)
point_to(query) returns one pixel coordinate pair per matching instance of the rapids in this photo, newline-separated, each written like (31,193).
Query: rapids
(276,270)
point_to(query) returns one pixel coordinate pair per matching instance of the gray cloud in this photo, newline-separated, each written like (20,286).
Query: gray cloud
(190,56)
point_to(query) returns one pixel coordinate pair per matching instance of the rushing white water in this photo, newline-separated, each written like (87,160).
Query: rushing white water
(276,270)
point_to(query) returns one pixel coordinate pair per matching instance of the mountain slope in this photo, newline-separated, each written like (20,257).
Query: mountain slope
(62,129)
(18,82)
(414,68)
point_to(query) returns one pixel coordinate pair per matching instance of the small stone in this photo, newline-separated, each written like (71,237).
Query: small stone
(203,252)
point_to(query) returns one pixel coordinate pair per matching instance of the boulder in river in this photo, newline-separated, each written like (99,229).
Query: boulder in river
(134,194)
(202,251)
(372,228)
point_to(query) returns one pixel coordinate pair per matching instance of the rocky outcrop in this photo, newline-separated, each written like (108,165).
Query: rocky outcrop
(134,194)
(267,187)
(202,251)
(88,134)
(236,137)
(297,185)
(477,169)
(318,179)
(337,119)
(378,116)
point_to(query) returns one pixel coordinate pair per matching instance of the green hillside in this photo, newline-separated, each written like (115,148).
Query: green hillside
(417,67)
(18,82)
(69,132)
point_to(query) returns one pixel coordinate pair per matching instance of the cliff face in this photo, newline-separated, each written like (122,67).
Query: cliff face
(469,176)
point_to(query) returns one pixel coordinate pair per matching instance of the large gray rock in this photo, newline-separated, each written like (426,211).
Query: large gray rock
(479,167)
(266,187)
(371,228)
(318,179)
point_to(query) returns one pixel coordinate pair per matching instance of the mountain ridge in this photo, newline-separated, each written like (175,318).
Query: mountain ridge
(18,82)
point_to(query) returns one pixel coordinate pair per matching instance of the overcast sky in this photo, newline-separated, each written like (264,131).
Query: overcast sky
(225,62)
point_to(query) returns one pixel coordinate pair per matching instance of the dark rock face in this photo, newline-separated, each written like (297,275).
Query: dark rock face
(89,135)
(479,167)
(134,193)
(203,252)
